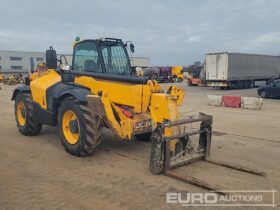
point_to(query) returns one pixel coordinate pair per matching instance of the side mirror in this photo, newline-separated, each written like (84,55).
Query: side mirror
(51,58)
(131,47)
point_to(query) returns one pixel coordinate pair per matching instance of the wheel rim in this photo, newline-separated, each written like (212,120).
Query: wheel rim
(21,113)
(70,127)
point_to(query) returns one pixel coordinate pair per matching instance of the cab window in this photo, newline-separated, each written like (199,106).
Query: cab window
(86,58)
(115,59)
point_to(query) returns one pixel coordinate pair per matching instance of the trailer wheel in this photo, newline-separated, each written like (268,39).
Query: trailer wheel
(26,120)
(80,130)
(247,84)
(240,85)
(252,84)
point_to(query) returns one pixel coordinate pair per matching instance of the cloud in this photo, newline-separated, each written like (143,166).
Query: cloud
(174,32)
(269,38)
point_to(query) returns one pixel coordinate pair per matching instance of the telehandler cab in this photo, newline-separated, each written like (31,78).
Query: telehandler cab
(100,90)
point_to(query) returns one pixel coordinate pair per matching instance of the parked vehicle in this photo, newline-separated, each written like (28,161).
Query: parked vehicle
(165,74)
(177,73)
(270,91)
(194,75)
(151,72)
(14,79)
(235,70)
(162,74)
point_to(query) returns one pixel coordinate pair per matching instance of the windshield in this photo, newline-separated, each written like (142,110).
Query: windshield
(86,58)
(115,59)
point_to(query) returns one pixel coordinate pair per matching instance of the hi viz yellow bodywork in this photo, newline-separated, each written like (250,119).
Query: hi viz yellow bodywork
(177,71)
(99,91)
(139,98)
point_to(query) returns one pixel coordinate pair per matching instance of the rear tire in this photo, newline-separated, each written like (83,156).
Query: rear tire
(26,120)
(189,82)
(88,131)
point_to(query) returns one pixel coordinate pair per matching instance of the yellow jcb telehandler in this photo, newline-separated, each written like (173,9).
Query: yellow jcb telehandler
(177,73)
(99,91)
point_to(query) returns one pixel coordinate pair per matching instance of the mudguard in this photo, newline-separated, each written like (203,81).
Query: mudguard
(56,93)
(54,96)
(21,89)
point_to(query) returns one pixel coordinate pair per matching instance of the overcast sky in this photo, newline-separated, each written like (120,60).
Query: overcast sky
(176,32)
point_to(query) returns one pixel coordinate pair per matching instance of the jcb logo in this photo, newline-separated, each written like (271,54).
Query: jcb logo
(143,125)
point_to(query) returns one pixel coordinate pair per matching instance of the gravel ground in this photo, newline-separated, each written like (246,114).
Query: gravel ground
(36,172)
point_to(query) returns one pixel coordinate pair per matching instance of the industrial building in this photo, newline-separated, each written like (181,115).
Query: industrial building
(20,62)
(140,61)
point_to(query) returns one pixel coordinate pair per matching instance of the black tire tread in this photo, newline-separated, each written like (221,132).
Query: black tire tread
(93,129)
(32,127)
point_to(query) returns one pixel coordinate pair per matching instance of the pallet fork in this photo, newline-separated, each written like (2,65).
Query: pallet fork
(162,160)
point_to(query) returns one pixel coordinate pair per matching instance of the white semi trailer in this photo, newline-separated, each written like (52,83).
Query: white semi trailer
(236,70)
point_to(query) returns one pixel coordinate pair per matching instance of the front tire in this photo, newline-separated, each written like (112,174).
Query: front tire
(80,130)
(26,120)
